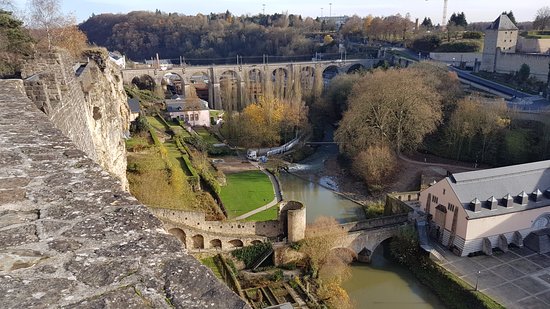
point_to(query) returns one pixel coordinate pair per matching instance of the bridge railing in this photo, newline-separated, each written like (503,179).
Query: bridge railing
(375,223)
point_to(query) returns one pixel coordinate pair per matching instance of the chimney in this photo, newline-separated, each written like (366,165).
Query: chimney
(508,200)
(492,202)
(536,195)
(475,205)
(523,198)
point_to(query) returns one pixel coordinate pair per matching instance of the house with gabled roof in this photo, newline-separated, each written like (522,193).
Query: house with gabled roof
(493,208)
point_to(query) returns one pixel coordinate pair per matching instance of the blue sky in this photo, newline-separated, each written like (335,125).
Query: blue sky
(475,10)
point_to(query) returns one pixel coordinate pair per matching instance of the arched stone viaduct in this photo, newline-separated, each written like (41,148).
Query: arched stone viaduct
(211,77)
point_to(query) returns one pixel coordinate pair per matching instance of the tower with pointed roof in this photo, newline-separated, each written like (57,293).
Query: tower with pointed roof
(500,36)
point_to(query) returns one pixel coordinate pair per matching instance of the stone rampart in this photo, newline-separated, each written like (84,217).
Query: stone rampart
(511,63)
(86,102)
(197,221)
(70,237)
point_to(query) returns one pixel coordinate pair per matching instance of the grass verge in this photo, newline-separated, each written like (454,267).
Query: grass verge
(245,192)
(266,215)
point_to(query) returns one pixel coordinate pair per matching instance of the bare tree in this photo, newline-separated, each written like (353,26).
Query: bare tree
(542,20)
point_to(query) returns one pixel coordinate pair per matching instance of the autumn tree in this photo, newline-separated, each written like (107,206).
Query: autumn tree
(50,27)
(475,118)
(375,165)
(394,107)
(328,264)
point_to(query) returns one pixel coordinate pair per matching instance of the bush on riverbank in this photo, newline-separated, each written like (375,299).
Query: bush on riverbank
(452,291)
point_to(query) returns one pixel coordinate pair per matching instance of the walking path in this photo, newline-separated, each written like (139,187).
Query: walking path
(402,157)
(278,195)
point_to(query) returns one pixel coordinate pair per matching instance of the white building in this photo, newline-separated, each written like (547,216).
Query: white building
(193,111)
(492,208)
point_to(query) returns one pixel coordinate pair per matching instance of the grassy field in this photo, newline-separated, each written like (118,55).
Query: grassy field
(246,191)
(266,215)
(206,136)
(154,185)
(153,121)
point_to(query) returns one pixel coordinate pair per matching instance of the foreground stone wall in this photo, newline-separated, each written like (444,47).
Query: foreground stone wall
(71,237)
(86,102)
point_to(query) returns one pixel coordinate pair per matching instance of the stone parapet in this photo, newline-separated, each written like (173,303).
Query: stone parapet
(71,237)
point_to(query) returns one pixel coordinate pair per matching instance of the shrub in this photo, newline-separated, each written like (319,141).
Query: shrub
(249,254)
(277,275)
(473,35)
(460,47)
(375,165)
(426,44)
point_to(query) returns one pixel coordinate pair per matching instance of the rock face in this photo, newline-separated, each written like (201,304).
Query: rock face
(71,237)
(86,102)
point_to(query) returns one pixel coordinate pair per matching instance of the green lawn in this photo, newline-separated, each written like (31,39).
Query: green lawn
(153,121)
(246,191)
(206,136)
(266,215)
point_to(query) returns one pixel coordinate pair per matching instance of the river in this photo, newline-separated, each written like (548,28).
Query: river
(382,284)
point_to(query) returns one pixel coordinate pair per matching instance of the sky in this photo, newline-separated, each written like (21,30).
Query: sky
(475,10)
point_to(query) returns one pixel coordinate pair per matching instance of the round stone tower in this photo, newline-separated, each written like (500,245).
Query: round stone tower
(293,217)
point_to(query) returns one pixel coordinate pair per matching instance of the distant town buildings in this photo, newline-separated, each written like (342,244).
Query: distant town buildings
(338,20)
(482,210)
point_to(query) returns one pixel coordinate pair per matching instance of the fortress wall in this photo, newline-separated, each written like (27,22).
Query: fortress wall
(540,46)
(511,63)
(91,108)
(197,221)
(70,237)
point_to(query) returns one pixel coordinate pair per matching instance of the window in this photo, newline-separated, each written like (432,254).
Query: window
(443,191)
(434,199)
(196,116)
(451,207)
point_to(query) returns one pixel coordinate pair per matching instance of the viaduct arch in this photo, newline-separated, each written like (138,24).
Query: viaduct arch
(208,80)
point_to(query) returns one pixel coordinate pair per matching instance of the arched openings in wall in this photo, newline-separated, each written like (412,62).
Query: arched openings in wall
(198,242)
(356,68)
(256,242)
(280,81)
(235,243)
(180,234)
(329,73)
(216,244)
(230,94)
(173,84)
(307,78)
(346,255)
(144,82)
(255,84)
(201,83)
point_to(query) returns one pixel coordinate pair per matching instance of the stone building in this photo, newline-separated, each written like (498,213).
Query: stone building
(503,52)
(501,34)
(481,210)
(193,111)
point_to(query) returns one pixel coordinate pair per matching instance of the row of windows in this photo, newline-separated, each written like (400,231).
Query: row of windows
(434,199)
(451,207)
(192,117)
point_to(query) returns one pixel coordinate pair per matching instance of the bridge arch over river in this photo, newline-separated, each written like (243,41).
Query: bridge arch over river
(210,79)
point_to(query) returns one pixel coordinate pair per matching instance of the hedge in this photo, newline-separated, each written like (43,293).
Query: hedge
(249,254)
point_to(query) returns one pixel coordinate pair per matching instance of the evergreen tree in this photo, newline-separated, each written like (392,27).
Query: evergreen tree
(511,16)
(427,22)
(458,20)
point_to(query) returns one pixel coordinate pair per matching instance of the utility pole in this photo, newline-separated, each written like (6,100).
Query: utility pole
(263,9)
(321,13)
(330,10)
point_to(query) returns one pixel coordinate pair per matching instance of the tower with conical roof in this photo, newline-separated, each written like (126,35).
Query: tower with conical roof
(501,35)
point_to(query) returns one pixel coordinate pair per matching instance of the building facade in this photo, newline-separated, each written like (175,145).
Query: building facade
(193,111)
(501,35)
(482,210)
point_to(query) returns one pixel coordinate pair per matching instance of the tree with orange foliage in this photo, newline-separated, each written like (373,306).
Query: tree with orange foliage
(328,265)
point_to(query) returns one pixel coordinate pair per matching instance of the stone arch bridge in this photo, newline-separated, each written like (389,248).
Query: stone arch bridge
(207,80)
